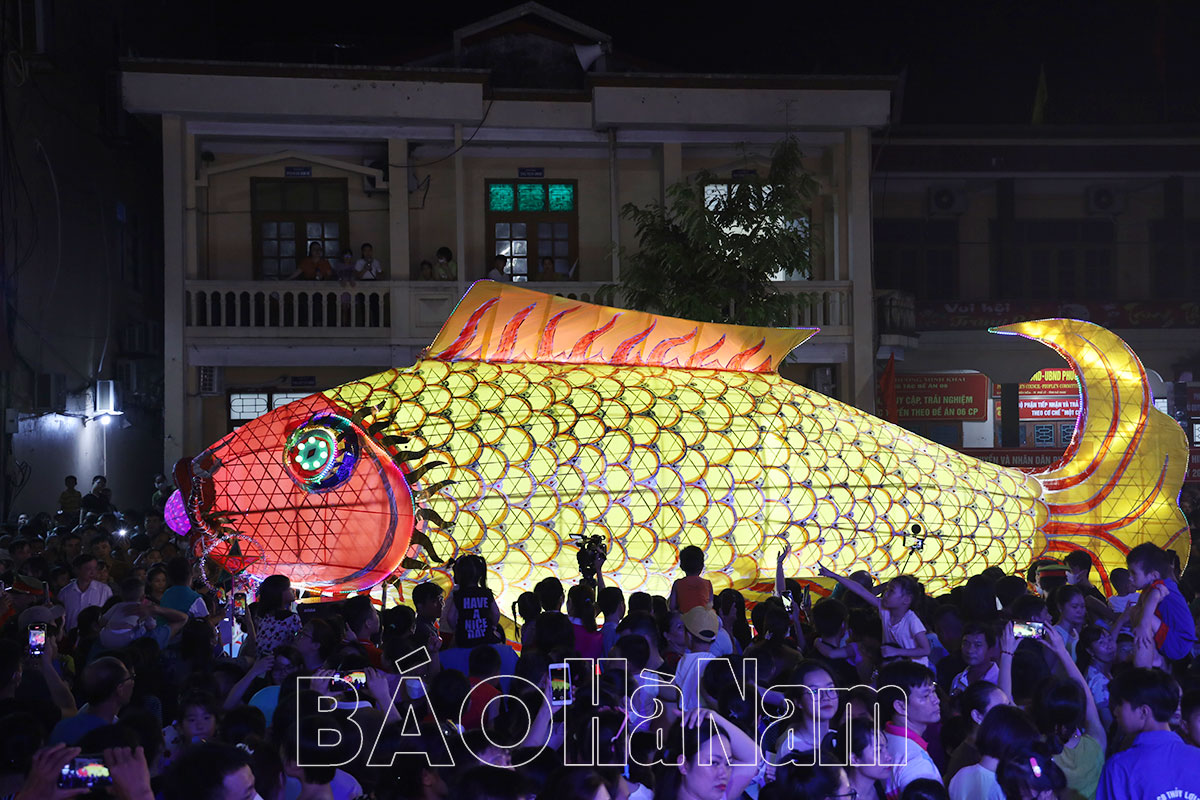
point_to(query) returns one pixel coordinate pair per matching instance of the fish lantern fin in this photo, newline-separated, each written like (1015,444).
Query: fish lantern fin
(1118,483)
(503,323)
(419,537)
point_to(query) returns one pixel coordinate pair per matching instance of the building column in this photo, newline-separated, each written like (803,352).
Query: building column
(175,260)
(1010,414)
(858,233)
(614,205)
(460,213)
(400,254)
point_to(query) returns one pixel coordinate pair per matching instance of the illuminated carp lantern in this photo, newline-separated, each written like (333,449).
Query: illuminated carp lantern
(532,419)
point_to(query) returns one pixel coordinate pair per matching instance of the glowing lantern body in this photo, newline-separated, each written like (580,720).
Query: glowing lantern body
(536,418)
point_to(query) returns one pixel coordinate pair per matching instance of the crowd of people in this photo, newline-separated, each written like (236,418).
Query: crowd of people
(121,663)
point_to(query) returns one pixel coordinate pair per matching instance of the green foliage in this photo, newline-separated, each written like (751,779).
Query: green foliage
(709,255)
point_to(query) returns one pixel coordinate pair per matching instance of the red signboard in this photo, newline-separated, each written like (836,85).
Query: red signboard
(1019,457)
(942,398)
(1051,383)
(1193,401)
(1056,408)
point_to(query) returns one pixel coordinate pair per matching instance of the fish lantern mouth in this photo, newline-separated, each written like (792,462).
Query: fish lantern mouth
(305,491)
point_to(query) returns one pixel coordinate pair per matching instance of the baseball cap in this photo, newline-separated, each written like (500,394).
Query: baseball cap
(702,623)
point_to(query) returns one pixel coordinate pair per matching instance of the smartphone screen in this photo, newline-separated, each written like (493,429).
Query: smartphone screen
(84,772)
(358,678)
(1028,630)
(239,604)
(787,599)
(560,684)
(37,638)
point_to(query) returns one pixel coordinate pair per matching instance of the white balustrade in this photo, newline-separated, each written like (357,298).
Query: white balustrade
(412,311)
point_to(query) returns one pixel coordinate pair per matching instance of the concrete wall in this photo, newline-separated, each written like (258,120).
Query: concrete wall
(226,233)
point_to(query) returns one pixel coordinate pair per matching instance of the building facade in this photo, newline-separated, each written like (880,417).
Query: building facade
(81,332)
(468,153)
(1102,225)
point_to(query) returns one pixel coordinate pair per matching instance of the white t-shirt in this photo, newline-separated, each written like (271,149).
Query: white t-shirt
(904,633)
(1120,602)
(74,600)
(975,782)
(960,682)
(687,678)
(915,762)
(368,271)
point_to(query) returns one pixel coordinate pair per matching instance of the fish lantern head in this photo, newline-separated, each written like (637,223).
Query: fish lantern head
(305,491)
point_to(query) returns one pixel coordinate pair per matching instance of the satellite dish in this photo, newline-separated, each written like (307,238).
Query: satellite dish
(588,54)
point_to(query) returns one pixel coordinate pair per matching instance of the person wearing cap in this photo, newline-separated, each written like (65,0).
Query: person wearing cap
(1050,576)
(701,625)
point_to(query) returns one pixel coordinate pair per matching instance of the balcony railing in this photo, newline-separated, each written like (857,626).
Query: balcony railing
(415,310)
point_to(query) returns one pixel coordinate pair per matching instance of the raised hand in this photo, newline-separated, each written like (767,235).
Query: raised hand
(42,781)
(130,774)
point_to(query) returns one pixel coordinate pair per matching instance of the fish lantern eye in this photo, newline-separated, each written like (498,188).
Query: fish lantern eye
(321,454)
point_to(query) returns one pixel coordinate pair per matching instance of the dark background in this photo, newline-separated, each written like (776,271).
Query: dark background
(972,62)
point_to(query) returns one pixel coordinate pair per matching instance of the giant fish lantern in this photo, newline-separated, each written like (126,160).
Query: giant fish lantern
(533,419)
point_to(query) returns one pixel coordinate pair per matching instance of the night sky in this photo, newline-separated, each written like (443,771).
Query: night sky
(972,63)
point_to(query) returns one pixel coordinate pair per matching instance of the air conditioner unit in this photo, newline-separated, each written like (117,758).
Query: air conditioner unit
(1103,201)
(212,381)
(945,200)
(50,392)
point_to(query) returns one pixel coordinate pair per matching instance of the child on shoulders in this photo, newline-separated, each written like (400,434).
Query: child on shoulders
(691,591)
(1162,613)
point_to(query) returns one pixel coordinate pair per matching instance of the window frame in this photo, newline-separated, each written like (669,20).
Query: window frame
(273,402)
(806,222)
(532,219)
(299,218)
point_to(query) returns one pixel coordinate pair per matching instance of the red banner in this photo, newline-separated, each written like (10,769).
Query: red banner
(1193,401)
(942,398)
(981,316)
(1030,458)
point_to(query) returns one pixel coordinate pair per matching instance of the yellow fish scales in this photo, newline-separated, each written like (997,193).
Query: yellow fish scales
(553,418)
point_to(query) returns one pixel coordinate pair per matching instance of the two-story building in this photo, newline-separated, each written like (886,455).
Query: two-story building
(523,139)
(986,228)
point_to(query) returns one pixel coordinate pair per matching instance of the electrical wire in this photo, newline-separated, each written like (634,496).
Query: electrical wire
(453,152)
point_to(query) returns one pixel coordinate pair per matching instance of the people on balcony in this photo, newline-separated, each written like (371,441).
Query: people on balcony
(446,269)
(498,272)
(313,267)
(424,271)
(344,269)
(368,267)
(547,273)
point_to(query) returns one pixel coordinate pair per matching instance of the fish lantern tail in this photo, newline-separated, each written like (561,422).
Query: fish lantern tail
(1118,483)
